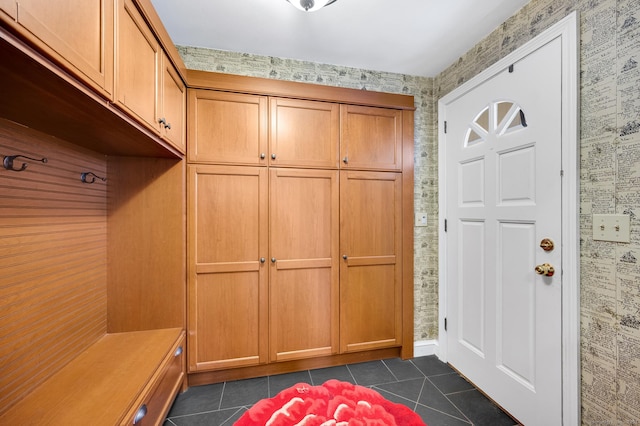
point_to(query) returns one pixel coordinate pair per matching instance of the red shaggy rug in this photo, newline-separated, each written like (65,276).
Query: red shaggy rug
(335,403)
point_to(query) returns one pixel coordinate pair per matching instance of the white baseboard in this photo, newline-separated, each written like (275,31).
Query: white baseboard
(425,348)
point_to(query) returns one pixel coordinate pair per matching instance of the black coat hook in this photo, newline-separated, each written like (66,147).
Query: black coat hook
(85,176)
(8,162)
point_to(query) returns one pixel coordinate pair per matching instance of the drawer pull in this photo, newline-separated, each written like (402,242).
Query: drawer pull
(178,351)
(142,411)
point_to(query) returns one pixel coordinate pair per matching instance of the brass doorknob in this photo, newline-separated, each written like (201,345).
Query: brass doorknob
(545,269)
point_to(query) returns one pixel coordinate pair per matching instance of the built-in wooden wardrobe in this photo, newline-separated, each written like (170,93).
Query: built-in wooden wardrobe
(300,226)
(92,214)
(157,222)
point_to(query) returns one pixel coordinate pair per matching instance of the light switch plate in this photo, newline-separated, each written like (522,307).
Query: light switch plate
(612,227)
(421,219)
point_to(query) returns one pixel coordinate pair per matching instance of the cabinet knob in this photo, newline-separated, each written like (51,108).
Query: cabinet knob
(142,411)
(262,260)
(345,257)
(178,351)
(167,126)
(345,160)
(273,260)
(273,156)
(262,156)
(163,121)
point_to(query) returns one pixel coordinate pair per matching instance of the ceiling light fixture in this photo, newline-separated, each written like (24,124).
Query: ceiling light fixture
(310,5)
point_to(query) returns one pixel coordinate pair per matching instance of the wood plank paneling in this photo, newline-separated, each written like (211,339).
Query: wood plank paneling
(53,268)
(146,244)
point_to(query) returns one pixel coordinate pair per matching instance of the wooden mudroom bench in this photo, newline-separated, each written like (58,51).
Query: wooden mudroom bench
(122,379)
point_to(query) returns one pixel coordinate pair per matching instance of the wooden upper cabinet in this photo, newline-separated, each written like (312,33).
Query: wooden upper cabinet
(304,133)
(76,34)
(227,128)
(304,268)
(371,138)
(137,66)
(173,106)
(371,268)
(9,8)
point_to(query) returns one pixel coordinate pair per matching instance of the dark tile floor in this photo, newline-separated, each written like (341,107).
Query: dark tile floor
(425,384)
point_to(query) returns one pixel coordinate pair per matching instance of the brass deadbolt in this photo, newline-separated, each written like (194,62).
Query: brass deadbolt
(547,244)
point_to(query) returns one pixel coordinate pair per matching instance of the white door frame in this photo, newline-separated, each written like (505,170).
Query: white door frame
(567,29)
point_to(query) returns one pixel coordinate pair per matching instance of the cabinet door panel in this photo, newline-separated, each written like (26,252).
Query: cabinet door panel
(304,225)
(137,65)
(228,320)
(228,297)
(79,32)
(227,128)
(304,133)
(301,313)
(9,7)
(371,138)
(371,275)
(173,105)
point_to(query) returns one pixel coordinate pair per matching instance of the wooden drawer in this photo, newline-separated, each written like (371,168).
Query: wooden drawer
(157,403)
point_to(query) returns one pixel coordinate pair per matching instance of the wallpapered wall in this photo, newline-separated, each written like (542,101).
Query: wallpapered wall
(610,175)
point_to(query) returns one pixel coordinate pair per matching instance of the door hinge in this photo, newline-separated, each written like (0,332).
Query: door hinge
(445,127)
(445,225)
(445,323)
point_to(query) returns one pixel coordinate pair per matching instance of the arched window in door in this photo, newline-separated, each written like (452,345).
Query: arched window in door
(499,118)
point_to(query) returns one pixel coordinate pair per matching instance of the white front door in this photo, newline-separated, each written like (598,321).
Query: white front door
(503,173)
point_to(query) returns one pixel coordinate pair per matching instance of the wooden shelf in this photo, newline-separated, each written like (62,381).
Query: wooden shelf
(37,94)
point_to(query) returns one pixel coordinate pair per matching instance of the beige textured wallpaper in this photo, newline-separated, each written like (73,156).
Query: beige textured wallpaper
(610,175)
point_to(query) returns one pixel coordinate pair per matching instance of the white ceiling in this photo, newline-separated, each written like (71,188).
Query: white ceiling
(414,37)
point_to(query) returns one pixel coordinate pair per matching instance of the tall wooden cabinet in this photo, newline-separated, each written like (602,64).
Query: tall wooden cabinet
(371,267)
(228,275)
(297,227)
(303,279)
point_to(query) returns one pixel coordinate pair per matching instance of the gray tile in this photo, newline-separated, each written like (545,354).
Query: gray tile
(395,398)
(244,392)
(197,399)
(408,389)
(321,375)
(419,384)
(449,383)
(403,370)
(480,410)
(431,365)
(283,381)
(432,397)
(214,418)
(371,373)
(436,418)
